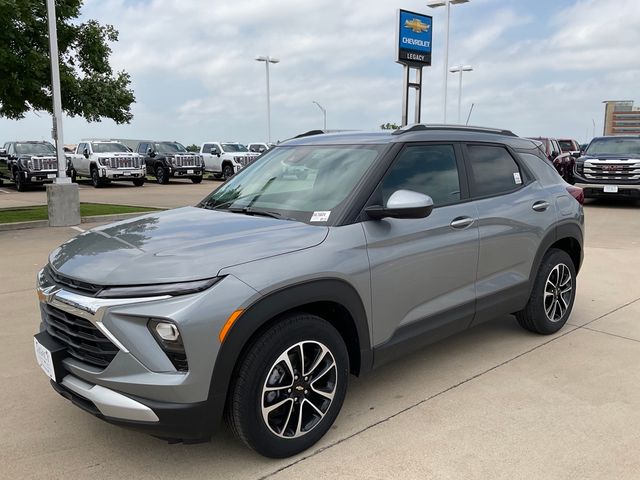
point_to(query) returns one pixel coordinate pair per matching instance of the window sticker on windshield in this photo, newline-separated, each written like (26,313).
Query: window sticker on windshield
(320,216)
(516,178)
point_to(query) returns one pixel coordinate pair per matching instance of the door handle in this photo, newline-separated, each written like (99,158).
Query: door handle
(461,222)
(540,206)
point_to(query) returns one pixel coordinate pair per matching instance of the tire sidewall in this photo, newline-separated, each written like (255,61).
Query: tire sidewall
(160,175)
(227,172)
(310,328)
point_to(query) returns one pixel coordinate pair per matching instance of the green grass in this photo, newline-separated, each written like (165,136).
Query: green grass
(39,212)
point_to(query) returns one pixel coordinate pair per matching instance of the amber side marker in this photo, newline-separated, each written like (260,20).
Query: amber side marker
(228,324)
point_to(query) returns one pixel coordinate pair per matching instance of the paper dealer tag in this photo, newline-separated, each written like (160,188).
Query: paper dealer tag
(517,179)
(320,216)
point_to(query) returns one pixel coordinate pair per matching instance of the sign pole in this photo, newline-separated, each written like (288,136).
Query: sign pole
(413,51)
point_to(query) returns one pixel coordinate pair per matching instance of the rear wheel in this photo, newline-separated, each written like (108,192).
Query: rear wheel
(552,296)
(196,179)
(289,386)
(19,181)
(138,182)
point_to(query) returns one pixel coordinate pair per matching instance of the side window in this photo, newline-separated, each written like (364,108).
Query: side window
(493,170)
(428,169)
(142,148)
(207,147)
(80,149)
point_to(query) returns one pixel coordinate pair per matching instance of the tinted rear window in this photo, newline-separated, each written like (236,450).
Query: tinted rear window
(493,170)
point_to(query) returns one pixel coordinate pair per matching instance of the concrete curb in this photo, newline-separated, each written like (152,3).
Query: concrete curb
(6,227)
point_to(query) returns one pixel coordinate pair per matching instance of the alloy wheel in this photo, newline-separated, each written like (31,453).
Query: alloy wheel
(299,389)
(557,292)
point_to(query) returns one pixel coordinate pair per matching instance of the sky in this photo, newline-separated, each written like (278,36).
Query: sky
(541,67)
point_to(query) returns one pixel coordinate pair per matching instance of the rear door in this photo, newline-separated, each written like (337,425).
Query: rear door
(514,213)
(423,270)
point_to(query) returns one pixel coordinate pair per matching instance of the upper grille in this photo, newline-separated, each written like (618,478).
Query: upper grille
(121,162)
(186,161)
(44,163)
(83,339)
(74,285)
(615,171)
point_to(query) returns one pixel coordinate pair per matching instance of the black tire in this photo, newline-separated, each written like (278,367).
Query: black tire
(96,181)
(162,176)
(196,179)
(227,171)
(74,176)
(19,181)
(546,296)
(260,365)
(138,182)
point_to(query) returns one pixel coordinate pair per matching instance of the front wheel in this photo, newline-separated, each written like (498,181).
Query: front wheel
(227,172)
(289,386)
(96,181)
(162,176)
(196,179)
(552,296)
(138,182)
(19,181)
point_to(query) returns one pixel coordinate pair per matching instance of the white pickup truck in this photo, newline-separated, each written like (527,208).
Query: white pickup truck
(224,159)
(104,161)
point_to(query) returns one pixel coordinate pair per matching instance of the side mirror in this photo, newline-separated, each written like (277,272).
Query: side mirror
(3,152)
(554,154)
(261,149)
(86,153)
(576,154)
(403,204)
(215,151)
(150,152)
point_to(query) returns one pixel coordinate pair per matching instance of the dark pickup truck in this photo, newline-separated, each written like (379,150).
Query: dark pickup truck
(28,163)
(610,166)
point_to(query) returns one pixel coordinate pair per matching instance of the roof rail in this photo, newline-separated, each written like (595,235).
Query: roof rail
(418,127)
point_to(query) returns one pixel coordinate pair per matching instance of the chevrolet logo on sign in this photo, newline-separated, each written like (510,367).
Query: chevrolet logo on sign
(416,25)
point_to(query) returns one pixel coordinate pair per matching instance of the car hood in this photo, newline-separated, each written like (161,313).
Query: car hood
(611,156)
(178,245)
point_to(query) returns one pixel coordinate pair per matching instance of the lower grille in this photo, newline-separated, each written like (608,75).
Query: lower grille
(83,339)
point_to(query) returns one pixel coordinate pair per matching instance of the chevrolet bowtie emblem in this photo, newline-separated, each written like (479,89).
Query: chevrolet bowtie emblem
(416,25)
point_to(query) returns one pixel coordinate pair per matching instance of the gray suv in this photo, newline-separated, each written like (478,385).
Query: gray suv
(259,302)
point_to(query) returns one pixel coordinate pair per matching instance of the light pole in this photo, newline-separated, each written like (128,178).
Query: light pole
(63,201)
(267,60)
(460,69)
(324,113)
(436,4)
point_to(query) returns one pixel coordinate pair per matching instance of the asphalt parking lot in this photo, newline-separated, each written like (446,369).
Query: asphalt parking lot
(494,402)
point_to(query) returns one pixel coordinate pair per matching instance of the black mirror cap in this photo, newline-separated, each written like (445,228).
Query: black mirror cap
(378,212)
(85,153)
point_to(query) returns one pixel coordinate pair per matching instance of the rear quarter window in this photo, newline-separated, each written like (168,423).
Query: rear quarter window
(493,170)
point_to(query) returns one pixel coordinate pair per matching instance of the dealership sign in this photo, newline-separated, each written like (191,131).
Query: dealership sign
(413,45)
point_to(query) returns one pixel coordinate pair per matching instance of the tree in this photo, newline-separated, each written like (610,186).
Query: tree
(193,148)
(389,126)
(89,86)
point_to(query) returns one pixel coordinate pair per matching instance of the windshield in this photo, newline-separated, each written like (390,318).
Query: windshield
(566,145)
(170,147)
(108,147)
(304,183)
(614,146)
(234,147)
(35,149)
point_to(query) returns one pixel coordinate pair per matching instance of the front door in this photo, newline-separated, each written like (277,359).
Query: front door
(423,271)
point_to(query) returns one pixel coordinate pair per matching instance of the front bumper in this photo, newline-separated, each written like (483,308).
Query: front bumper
(139,388)
(186,422)
(597,189)
(42,176)
(122,174)
(186,171)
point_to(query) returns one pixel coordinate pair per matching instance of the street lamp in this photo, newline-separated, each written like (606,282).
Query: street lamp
(267,60)
(324,113)
(436,4)
(460,69)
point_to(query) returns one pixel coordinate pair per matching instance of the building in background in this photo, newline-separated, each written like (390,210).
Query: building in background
(621,118)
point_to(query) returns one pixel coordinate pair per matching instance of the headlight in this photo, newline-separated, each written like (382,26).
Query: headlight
(26,163)
(173,289)
(172,160)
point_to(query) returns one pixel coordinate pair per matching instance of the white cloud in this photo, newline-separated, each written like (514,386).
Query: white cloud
(539,68)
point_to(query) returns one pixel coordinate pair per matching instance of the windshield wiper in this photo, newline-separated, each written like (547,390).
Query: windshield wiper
(259,212)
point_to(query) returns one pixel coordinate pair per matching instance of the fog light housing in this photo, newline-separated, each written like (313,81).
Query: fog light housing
(168,337)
